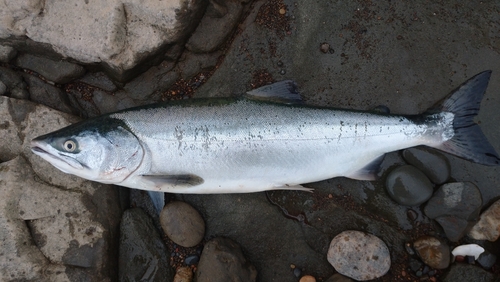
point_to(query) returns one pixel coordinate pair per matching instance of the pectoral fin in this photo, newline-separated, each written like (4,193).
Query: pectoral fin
(158,199)
(174,181)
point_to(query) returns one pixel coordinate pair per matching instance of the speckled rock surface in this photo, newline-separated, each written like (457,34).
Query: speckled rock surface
(433,252)
(182,224)
(488,226)
(359,255)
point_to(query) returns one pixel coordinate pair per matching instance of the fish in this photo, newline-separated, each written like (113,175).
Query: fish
(267,140)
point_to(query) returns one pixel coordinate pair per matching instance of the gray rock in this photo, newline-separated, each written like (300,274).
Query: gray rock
(338,278)
(487,226)
(142,255)
(48,95)
(3,88)
(469,273)
(408,186)
(359,255)
(192,64)
(487,260)
(456,207)
(182,224)
(120,34)
(223,260)
(16,88)
(47,227)
(56,71)
(84,104)
(219,22)
(99,80)
(156,79)
(432,163)
(433,252)
(7,53)
(107,103)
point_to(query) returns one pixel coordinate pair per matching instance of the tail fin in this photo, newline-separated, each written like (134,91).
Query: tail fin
(468,140)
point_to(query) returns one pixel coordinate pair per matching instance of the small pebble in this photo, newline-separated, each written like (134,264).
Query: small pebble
(459,258)
(324,47)
(470,259)
(192,260)
(280,64)
(183,274)
(433,252)
(409,249)
(382,109)
(412,215)
(487,260)
(282,11)
(307,278)
(282,72)
(297,272)
(415,264)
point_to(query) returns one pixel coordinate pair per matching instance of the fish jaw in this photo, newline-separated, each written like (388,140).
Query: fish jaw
(51,155)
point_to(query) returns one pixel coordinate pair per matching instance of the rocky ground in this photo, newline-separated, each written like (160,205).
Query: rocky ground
(356,55)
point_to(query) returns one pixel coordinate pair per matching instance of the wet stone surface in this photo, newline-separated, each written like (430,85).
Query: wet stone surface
(433,252)
(433,164)
(408,186)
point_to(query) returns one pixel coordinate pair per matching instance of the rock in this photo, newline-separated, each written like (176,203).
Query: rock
(156,79)
(433,252)
(45,227)
(487,260)
(121,35)
(359,255)
(432,163)
(223,260)
(192,64)
(3,88)
(215,28)
(469,273)
(48,95)
(57,71)
(7,53)
(182,224)
(307,278)
(108,103)
(455,206)
(468,250)
(99,80)
(192,260)
(408,186)
(16,88)
(142,254)
(487,228)
(338,278)
(183,274)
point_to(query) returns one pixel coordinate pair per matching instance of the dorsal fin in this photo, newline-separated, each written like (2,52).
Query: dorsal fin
(281,92)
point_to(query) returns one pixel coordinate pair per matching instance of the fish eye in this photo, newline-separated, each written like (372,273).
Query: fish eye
(69,145)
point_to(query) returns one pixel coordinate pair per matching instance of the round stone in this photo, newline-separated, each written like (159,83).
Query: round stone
(182,224)
(359,255)
(433,252)
(433,164)
(408,186)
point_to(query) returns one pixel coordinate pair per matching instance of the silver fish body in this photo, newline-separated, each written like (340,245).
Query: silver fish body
(243,145)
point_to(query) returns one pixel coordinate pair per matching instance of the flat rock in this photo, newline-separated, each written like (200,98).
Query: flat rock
(119,34)
(433,252)
(408,186)
(487,228)
(219,22)
(7,53)
(182,223)
(469,273)
(223,260)
(16,87)
(456,207)
(143,254)
(56,71)
(99,80)
(432,163)
(47,94)
(359,255)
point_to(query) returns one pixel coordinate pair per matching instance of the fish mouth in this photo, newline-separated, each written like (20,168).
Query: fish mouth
(62,162)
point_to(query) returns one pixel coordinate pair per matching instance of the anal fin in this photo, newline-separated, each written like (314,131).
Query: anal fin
(293,187)
(280,92)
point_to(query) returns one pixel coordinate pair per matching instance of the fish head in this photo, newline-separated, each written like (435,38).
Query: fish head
(104,151)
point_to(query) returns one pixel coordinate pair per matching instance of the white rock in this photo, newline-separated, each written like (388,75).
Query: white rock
(488,226)
(468,250)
